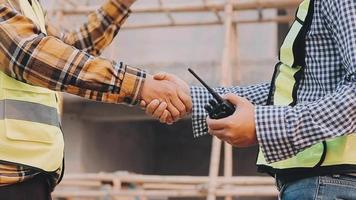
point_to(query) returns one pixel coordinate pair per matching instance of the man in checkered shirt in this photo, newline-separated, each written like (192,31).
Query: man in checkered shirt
(325,109)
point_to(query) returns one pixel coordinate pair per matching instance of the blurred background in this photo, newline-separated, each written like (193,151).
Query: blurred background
(103,138)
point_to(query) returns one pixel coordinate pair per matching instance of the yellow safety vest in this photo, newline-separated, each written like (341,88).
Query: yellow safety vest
(337,154)
(30,132)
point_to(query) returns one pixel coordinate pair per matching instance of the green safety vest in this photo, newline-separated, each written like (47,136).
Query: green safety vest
(338,154)
(30,132)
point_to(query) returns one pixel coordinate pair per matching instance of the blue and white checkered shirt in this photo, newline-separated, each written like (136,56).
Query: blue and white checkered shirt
(326,98)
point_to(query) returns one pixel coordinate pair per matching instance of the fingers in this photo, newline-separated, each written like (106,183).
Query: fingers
(160,111)
(151,108)
(164,117)
(234,99)
(143,105)
(160,76)
(174,112)
(219,134)
(169,119)
(216,124)
(156,109)
(187,100)
(178,104)
(228,121)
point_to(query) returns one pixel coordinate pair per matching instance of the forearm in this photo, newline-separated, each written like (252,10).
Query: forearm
(257,94)
(31,57)
(100,29)
(285,131)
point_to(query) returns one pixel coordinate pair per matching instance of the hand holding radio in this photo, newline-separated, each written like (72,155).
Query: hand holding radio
(218,107)
(238,129)
(231,119)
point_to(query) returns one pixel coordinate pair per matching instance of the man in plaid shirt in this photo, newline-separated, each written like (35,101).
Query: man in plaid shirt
(325,109)
(70,62)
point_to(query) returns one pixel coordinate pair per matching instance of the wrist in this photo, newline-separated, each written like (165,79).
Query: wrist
(132,81)
(146,87)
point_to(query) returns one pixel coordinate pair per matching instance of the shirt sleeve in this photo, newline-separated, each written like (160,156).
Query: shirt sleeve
(100,29)
(30,56)
(257,94)
(285,131)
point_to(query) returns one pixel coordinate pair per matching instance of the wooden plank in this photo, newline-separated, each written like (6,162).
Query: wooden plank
(228,61)
(214,168)
(165,186)
(218,7)
(279,19)
(240,191)
(168,13)
(228,165)
(241,180)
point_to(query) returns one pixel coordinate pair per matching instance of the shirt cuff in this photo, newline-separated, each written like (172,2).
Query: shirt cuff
(132,84)
(200,98)
(275,140)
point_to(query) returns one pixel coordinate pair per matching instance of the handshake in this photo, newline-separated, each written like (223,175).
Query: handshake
(166,97)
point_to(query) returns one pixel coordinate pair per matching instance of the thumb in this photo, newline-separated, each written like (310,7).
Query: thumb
(160,76)
(234,99)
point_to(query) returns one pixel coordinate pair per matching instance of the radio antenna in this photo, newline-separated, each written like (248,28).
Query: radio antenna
(212,92)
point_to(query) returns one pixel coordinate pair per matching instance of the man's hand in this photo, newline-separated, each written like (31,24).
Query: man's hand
(239,129)
(160,111)
(168,97)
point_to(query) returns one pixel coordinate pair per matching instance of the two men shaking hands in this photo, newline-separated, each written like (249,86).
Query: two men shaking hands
(167,98)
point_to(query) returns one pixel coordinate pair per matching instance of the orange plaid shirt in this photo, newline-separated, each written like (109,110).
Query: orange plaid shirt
(66,61)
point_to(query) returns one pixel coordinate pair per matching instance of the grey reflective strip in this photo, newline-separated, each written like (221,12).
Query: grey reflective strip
(28,111)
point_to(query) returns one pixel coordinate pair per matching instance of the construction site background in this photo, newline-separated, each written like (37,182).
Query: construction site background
(110,138)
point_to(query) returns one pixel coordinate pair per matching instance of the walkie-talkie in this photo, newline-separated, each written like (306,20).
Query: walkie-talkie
(218,107)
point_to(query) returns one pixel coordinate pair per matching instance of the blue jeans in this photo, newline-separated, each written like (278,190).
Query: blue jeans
(334,187)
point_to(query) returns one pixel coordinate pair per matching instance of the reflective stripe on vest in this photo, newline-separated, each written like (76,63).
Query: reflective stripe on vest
(334,152)
(30,131)
(27,111)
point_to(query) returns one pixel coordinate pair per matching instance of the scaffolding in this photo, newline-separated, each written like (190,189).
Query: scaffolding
(213,186)
(124,186)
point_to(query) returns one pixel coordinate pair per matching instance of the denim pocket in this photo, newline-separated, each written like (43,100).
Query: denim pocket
(343,180)
(337,187)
